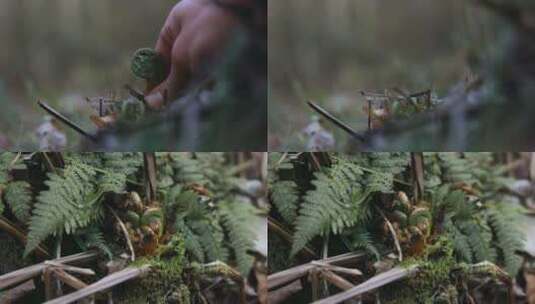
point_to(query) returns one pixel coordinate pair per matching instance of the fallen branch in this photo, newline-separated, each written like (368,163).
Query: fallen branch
(68,279)
(84,271)
(294,273)
(65,120)
(337,122)
(349,271)
(22,275)
(377,281)
(336,280)
(103,284)
(283,293)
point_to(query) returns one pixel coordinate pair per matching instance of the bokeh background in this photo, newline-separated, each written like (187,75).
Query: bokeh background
(329,51)
(63,51)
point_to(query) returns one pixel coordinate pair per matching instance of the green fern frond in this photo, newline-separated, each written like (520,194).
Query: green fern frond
(455,168)
(362,239)
(479,238)
(393,163)
(186,168)
(284,195)
(236,218)
(202,234)
(508,237)
(335,203)
(191,240)
(18,196)
(117,168)
(5,161)
(92,237)
(68,204)
(212,239)
(460,243)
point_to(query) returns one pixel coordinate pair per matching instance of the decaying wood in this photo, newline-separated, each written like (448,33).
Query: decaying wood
(103,284)
(260,274)
(530,286)
(22,275)
(283,293)
(149,161)
(84,271)
(294,273)
(50,286)
(417,172)
(16,294)
(73,282)
(344,270)
(336,280)
(313,277)
(377,281)
(68,279)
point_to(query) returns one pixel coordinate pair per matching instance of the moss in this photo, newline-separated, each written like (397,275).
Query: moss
(432,283)
(164,283)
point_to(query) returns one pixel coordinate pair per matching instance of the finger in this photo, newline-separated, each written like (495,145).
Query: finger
(168,34)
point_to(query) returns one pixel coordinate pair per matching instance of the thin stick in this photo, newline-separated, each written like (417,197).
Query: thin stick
(68,279)
(149,168)
(349,271)
(313,277)
(135,93)
(15,159)
(48,278)
(22,275)
(84,271)
(377,281)
(65,120)
(103,284)
(49,163)
(336,280)
(289,275)
(281,294)
(336,121)
(125,232)
(393,232)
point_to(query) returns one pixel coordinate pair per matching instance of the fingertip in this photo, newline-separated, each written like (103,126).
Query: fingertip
(154,100)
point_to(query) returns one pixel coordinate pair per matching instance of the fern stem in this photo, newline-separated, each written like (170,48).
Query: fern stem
(125,232)
(393,232)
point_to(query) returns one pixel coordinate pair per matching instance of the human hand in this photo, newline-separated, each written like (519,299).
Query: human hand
(192,40)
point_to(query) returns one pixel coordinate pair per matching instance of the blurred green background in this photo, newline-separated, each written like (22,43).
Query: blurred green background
(63,51)
(329,51)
